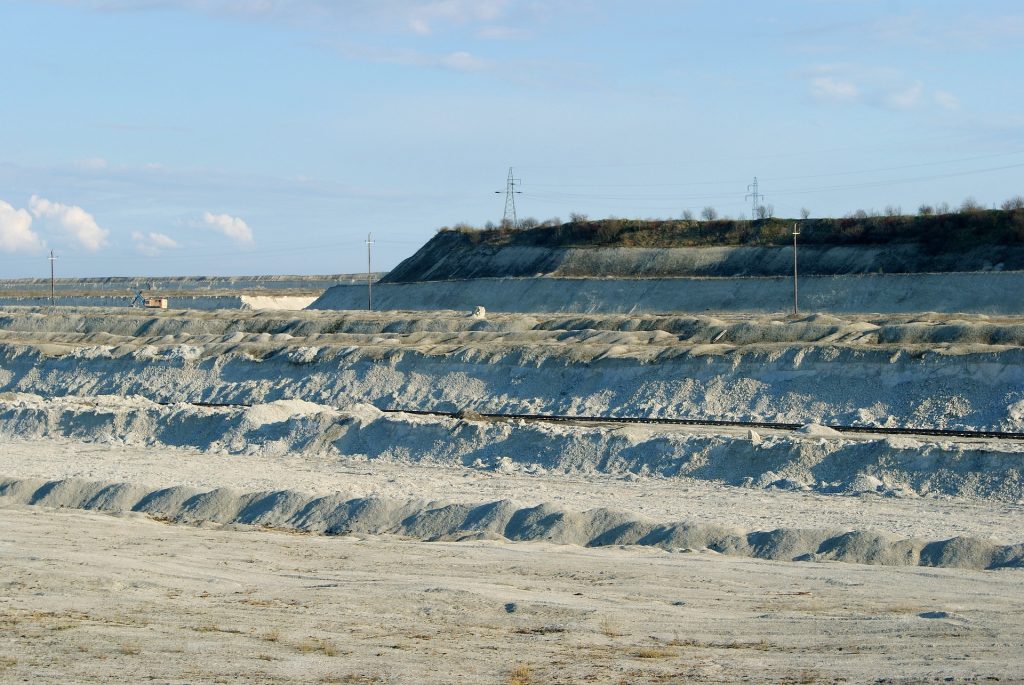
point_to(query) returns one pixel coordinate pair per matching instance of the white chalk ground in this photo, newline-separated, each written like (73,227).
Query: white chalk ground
(660,499)
(90,597)
(101,597)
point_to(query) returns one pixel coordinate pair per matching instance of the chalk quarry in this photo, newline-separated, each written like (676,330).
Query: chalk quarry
(395,430)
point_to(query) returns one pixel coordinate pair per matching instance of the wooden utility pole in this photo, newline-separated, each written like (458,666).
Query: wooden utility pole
(53,258)
(369,272)
(796,309)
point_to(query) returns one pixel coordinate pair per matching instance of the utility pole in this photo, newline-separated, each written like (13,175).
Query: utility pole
(369,271)
(509,218)
(796,232)
(756,198)
(53,258)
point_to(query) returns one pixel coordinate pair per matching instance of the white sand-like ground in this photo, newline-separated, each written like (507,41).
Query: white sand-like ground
(660,499)
(154,567)
(93,598)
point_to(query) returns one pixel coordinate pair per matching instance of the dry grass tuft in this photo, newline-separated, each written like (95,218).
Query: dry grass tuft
(352,679)
(130,649)
(521,674)
(653,653)
(610,628)
(542,630)
(272,636)
(210,628)
(315,644)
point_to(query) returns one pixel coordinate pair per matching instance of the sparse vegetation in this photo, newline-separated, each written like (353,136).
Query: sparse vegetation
(352,679)
(1015,202)
(610,628)
(653,653)
(542,630)
(521,674)
(314,644)
(934,226)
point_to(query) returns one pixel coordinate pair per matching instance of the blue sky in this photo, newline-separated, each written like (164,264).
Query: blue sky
(157,137)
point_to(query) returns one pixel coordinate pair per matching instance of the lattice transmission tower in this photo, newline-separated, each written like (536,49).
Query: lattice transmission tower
(509,218)
(757,200)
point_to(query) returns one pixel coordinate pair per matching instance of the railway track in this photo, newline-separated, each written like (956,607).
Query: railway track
(597,420)
(605,420)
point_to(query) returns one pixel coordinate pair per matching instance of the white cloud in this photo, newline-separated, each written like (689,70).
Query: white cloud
(92,164)
(831,89)
(946,100)
(71,220)
(232,227)
(152,243)
(462,61)
(16,232)
(500,32)
(455,61)
(884,87)
(906,98)
(421,16)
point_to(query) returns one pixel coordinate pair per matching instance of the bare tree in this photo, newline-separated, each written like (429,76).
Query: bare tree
(926,210)
(762,212)
(709,213)
(893,210)
(1015,202)
(528,223)
(805,213)
(578,218)
(942,208)
(970,205)
(687,215)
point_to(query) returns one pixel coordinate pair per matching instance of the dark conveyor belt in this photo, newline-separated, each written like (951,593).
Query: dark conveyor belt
(555,418)
(597,420)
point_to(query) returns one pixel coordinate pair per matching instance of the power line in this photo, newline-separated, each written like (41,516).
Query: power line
(733,182)
(899,168)
(556,196)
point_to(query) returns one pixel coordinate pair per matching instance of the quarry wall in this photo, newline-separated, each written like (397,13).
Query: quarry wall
(450,256)
(984,292)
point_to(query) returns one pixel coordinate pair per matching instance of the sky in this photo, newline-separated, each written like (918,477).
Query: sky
(231,137)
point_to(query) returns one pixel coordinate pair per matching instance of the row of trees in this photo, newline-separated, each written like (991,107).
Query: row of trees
(763,212)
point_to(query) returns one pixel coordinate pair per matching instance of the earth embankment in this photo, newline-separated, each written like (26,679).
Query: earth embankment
(454,256)
(984,292)
(224,292)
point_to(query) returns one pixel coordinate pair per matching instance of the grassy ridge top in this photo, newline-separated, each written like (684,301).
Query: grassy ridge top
(936,232)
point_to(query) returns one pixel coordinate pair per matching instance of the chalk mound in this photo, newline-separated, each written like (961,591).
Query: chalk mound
(338,514)
(889,468)
(816,430)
